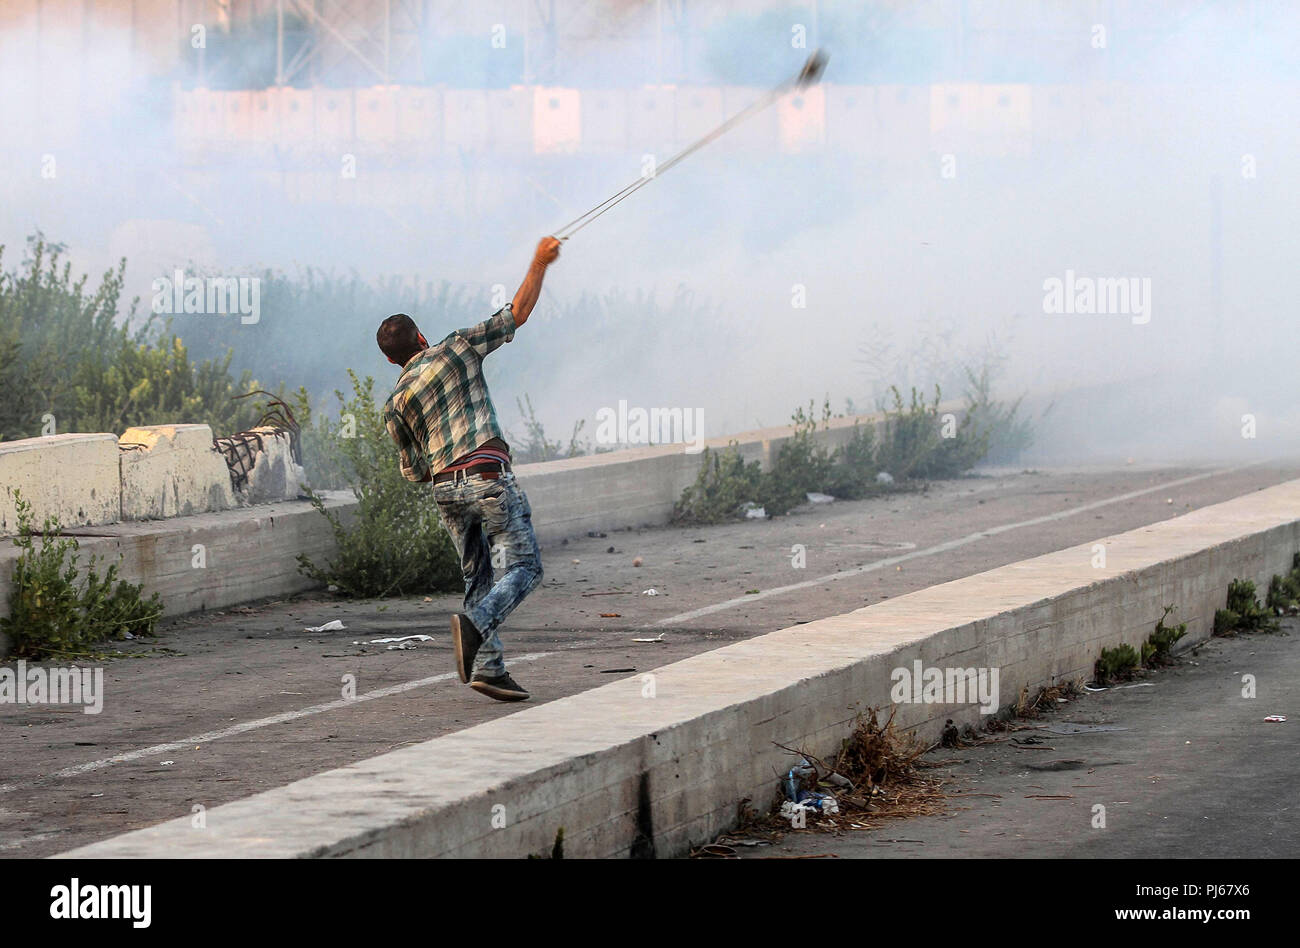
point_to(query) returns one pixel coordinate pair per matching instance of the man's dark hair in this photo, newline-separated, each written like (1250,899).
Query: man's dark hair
(398,337)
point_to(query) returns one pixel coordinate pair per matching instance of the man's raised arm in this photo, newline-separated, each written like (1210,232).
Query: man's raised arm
(548,249)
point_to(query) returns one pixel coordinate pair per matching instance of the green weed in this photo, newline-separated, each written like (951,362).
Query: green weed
(57,610)
(393,543)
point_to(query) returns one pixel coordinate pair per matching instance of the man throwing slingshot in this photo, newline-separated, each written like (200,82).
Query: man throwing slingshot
(442,418)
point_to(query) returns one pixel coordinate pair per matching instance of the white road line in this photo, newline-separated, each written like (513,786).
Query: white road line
(943,547)
(281,718)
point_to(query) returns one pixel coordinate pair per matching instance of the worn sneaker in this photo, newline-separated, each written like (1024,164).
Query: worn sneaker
(502,687)
(465,639)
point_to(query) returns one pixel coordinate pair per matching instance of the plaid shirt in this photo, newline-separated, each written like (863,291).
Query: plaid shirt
(441,409)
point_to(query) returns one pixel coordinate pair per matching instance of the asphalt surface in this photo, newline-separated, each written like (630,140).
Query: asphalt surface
(225,705)
(1191,770)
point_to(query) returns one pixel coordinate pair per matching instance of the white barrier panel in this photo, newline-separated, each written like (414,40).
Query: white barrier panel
(851,119)
(650,121)
(802,119)
(903,120)
(419,118)
(557,120)
(510,119)
(1057,114)
(377,115)
(172,471)
(604,125)
(759,133)
(698,111)
(73,477)
(465,119)
(295,123)
(334,113)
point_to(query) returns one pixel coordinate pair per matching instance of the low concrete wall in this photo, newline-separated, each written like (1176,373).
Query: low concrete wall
(72,476)
(175,471)
(207,561)
(639,486)
(654,764)
(165,471)
(172,471)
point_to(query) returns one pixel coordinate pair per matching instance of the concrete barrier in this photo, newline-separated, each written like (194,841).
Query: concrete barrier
(654,764)
(150,473)
(71,476)
(172,471)
(639,486)
(625,488)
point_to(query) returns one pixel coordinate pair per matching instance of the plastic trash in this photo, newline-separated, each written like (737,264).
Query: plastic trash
(650,592)
(1276,719)
(334,625)
(839,782)
(824,803)
(816,498)
(817,803)
(404,638)
(790,810)
(884,477)
(796,778)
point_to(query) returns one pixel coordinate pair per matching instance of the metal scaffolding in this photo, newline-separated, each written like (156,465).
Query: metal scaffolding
(346,42)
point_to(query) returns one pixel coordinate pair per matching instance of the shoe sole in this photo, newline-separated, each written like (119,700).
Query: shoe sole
(500,694)
(462,667)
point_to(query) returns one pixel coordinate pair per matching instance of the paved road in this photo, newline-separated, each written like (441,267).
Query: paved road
(1194,772)
(251,701)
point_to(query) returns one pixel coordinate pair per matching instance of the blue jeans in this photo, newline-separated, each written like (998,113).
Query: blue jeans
(487,520)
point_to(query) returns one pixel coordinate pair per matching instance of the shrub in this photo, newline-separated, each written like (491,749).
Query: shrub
(1117,664)
(1284,591)
(1243,613)
(726,482)
(394,542)
(1124,661)
(1008,433)
(800,465)
(913,442)
(56,611)
(854,477)
(1159,647)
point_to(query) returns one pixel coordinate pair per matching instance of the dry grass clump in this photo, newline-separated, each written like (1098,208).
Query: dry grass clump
(882,764)
(1047,699)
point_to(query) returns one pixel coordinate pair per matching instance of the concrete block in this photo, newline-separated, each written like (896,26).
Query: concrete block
(275,475)
(73,477)
(172,471)
(262,466)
